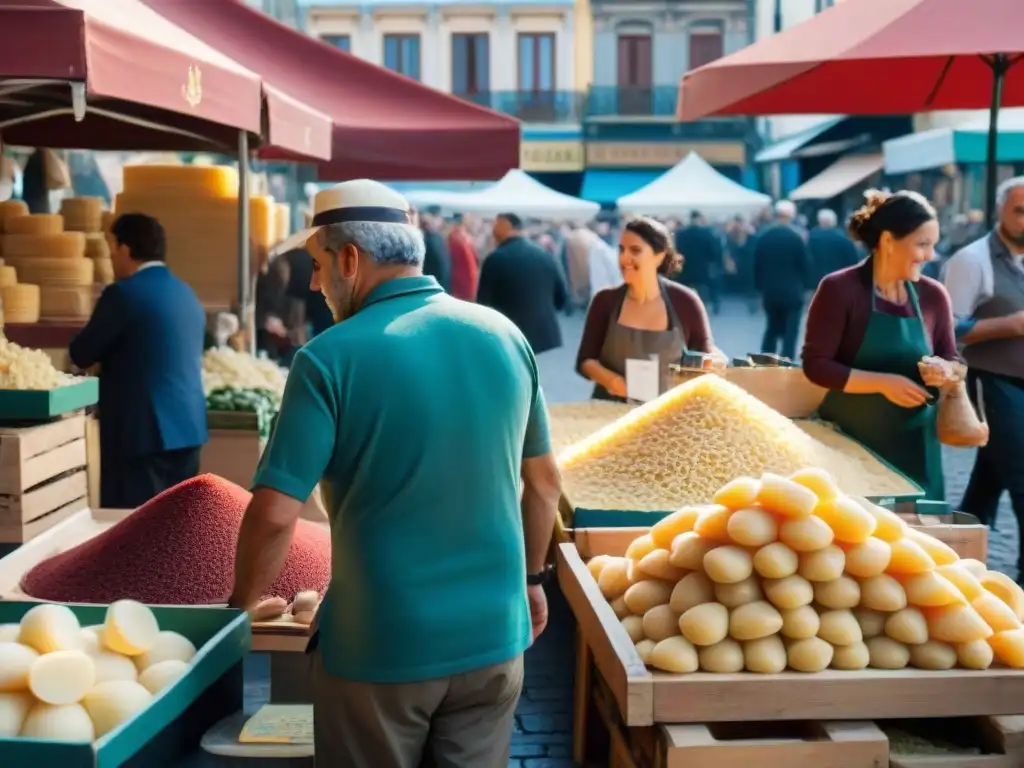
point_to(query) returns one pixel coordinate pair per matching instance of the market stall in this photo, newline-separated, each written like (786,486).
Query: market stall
(692,184)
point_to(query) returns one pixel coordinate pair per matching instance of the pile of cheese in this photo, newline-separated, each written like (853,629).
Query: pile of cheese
(63,682)
(681,447)
(198,208)
(24,368)
(20,301)
(789,572)
(224,367)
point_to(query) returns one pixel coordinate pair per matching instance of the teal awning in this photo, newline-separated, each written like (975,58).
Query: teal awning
(967,144)
(607,186)
(784,148)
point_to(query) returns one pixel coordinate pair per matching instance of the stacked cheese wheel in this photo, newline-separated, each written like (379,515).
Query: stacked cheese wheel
(85,215)
(20,302)
(788,572)
(62,682)
(198,208)
(44,255)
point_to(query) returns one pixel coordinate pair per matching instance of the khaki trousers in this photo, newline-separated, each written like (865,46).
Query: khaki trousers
(463,721)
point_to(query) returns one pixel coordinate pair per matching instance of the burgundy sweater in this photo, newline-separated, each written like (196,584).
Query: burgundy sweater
(686,303)
(838,320)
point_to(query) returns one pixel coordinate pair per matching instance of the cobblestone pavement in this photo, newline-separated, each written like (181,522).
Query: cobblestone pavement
(543,730)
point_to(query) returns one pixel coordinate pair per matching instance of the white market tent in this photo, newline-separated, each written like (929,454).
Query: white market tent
(518,193)
(693,185)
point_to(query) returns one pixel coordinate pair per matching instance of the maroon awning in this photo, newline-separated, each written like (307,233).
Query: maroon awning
(386,126)
(149,84)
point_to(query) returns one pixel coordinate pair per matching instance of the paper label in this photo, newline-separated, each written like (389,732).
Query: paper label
(643,379)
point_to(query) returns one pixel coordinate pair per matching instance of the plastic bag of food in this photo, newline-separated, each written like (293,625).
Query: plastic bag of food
(958,422)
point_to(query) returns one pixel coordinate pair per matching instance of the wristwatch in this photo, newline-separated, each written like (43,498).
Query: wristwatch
(536,579)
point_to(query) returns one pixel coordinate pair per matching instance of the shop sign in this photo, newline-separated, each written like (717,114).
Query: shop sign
(551,155)
(636,154)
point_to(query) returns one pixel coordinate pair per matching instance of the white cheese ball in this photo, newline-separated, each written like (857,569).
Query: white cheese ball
(157,677)
(130,628)
(62,677)
(58,722)
(15,662)
(14,708)
(169,646)
(49,627)
(112,703)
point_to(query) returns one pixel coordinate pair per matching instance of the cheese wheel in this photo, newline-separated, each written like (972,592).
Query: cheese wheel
(82,214)
(169,646)
(159,676)
(10,209)
(67,722)
(194,181)
(62,677)
(130,628)
(21,303)
(15,662)
(50,627)
(112,703)
(58,301)
(35,224)
(14,707)
(8,275)
(63,245)
(50,271)
(113,666)
(96,246)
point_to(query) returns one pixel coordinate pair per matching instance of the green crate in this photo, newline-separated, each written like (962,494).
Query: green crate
(42,404)
(222,636)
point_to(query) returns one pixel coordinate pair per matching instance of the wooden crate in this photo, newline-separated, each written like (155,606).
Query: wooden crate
(1000,741)
(645,698)
(43,478)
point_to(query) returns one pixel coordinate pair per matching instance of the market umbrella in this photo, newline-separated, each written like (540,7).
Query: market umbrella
(874,57)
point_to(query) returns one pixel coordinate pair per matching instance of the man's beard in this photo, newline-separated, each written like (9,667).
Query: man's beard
(341,299)
(1017,239)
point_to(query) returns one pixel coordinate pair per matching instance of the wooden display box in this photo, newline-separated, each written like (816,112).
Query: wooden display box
(43,478)
(233,454)
(1000,741)
(645,698)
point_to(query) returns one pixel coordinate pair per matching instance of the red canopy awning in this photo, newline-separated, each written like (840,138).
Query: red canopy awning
(867,57)
(386,126)
(149,84)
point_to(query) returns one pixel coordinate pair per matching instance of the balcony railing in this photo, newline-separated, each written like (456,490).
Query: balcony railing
(624,101)
(532,106)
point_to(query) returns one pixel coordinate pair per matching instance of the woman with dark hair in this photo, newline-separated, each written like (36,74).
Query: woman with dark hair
(868,328)
(645,317)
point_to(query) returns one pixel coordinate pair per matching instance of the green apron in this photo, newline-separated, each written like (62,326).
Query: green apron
(905,437)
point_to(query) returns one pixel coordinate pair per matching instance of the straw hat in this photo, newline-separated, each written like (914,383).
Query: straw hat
(356,200)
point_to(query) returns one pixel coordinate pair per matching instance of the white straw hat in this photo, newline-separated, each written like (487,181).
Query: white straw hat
(356,200)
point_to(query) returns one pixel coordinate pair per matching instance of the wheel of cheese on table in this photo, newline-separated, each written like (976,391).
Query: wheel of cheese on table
(61,245)
(9,209)
(34,224)
(21,303)
(62,677)
(82,214)
(50,627)
(58,301)
(68,722)
(130,628)
(165,179)
(49,271)
(104,273)
(96,246)
(8,275)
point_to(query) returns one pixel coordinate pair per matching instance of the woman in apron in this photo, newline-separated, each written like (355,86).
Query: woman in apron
(648,318)
(868,328)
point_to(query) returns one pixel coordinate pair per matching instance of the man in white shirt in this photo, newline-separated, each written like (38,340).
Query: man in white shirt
(985,280)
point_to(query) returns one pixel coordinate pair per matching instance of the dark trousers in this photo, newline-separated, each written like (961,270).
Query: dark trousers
(782,327)
(999,466)
(126,483)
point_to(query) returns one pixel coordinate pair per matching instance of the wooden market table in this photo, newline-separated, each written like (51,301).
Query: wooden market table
(656,705)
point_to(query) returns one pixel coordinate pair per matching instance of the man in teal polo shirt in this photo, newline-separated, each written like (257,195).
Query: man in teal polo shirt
(423,420)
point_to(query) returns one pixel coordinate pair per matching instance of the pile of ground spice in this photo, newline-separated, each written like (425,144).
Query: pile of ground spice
(177,549)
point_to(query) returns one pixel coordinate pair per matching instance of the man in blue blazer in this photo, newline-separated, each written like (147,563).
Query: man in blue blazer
(146,333)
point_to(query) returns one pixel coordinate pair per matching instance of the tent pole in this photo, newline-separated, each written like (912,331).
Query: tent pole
(244,315)
(999,64)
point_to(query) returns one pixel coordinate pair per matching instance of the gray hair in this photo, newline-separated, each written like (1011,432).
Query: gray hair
(785,208)
(827,218)
(383,243)
(1003,190)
